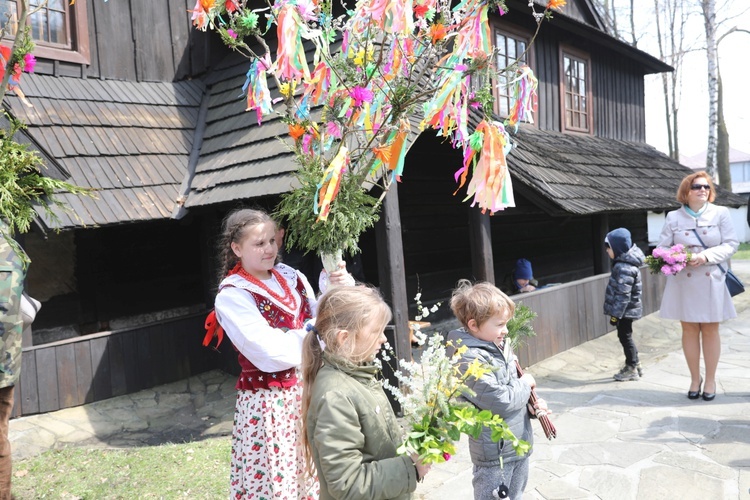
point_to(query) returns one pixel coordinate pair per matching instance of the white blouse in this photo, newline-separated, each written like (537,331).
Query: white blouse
(269,349)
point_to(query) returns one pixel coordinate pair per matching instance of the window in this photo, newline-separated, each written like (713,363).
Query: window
(59,30)
(575,90)
(510,47)
(740,171)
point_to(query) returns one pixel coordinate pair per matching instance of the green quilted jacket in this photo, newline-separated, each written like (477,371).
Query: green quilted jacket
(354,435)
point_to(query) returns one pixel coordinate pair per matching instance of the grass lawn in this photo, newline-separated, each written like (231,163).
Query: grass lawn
(197,469)
(743,253)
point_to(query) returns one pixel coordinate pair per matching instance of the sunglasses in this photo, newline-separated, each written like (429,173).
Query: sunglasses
(698,187)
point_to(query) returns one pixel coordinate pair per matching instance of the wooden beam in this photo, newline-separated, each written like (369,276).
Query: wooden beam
(392,275)
(482,264)
(599,230)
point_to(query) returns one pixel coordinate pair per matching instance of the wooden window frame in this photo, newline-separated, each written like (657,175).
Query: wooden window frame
(78,42)
(515,33)
(585,58)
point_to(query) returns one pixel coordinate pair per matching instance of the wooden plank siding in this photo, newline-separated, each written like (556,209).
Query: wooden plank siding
(617,88)
(102,365)
(140,40)
(571,314)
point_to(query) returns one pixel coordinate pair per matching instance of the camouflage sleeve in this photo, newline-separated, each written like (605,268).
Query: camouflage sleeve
(12,274)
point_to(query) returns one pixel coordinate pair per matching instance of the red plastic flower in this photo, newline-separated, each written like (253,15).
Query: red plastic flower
(421,10)
(230,5)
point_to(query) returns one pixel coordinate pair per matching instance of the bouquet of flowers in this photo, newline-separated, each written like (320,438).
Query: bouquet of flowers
(428,394)
(429,397)
(668,261)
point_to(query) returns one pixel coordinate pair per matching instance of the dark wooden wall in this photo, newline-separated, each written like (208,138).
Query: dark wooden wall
(435,225)
(108,364)
(140,40)
(125,270)
(617,84)
(103,365)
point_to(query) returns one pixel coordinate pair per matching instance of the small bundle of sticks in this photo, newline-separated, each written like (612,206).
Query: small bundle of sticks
(541,415)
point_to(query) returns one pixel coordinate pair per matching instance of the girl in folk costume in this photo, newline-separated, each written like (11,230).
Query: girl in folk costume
(263,307)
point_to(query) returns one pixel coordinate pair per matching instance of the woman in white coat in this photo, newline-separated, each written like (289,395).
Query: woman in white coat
(697,295)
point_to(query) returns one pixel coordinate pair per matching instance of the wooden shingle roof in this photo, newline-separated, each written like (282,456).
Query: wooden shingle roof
(128,140)
(581,174)
(239,159)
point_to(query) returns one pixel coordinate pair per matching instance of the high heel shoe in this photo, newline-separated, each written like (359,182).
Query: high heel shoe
(697,394)
(709,396)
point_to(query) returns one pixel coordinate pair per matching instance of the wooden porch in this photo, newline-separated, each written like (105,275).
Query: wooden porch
(103,365)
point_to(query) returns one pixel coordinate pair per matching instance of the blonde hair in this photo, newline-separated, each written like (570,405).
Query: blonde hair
(233,231)
(479,302)
(687,183)
(350,308)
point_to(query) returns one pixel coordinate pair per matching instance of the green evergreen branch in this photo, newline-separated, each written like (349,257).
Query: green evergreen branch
(23,187)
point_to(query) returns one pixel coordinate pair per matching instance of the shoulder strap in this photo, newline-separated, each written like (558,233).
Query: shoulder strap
(704,246)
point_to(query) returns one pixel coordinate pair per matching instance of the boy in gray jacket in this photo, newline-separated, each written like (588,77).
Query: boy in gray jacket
(484,311)
(622,299)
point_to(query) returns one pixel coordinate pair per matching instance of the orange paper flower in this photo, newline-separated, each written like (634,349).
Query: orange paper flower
(437,32)
(556,4)
(296,131)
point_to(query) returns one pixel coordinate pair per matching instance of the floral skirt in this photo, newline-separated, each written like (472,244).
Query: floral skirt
(267,462)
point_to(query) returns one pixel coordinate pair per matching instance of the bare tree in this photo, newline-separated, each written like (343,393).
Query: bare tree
(609,11)
(722,134)
(671,18)
(708,7)
(717,151)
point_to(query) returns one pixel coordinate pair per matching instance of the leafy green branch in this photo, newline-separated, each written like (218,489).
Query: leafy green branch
(519,326)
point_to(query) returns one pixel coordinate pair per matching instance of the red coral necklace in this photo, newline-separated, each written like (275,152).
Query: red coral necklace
(288,300)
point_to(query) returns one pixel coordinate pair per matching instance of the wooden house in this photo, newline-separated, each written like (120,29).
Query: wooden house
(148,111)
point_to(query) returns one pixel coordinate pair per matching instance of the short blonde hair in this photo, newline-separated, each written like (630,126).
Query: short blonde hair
(687,183)
(479,302)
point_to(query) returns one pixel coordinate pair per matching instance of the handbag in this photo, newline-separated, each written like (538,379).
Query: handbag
(734,284)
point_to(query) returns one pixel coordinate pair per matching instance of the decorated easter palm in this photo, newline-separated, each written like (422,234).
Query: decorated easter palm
(378,74)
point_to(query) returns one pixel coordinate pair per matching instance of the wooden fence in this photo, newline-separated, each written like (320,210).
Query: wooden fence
(572,313)
(103,365)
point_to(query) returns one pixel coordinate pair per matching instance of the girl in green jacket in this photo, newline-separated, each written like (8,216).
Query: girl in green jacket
(351,433)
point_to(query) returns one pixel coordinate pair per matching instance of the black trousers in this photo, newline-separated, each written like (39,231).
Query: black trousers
(625,334)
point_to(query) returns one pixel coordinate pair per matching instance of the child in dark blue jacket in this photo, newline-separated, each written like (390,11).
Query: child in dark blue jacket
(622,300)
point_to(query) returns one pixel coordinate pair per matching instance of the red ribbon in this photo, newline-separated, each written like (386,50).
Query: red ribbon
(213,329)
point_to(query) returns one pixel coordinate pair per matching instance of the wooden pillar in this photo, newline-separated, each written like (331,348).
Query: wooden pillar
(392,275)
(599,230)
(480,236)
(210,232)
